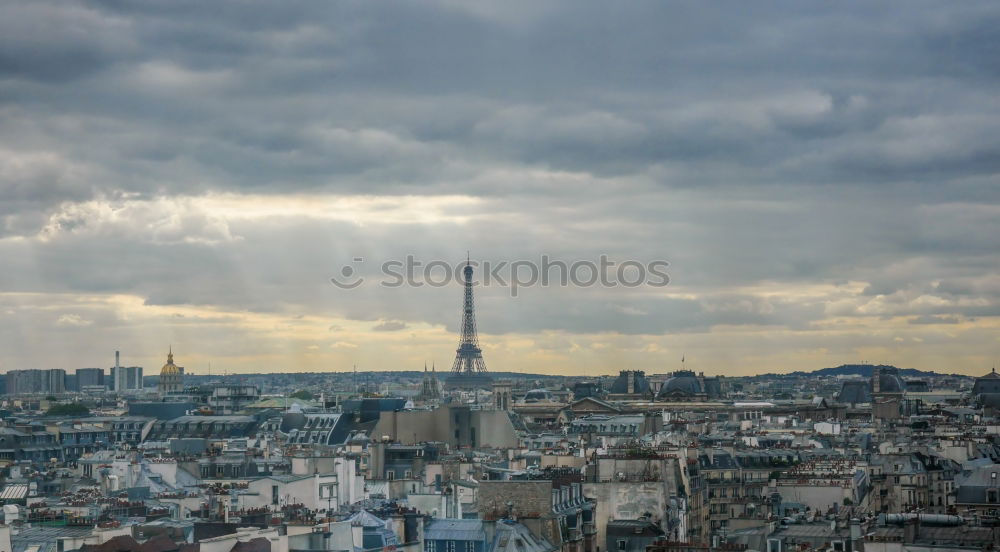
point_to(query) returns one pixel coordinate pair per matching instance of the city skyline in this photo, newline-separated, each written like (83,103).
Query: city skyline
(822,181)
(482,276)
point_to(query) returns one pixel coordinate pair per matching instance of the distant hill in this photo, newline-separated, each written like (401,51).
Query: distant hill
(864,370)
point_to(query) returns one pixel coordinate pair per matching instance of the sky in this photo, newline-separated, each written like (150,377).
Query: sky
(821,177)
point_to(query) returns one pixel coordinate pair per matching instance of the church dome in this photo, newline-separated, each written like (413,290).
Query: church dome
(682,382)
(889,381)
(537,395)
(990,383)
(170,368)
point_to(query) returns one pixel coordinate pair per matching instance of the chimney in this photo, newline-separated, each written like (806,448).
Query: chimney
(910,529)
(856,544)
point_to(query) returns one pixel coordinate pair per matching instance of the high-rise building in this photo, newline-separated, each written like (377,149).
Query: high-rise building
(87,377)
(125,378)
(21,382)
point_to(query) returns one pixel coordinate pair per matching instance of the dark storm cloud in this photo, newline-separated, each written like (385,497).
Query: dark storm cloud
(58,43)
(317,95)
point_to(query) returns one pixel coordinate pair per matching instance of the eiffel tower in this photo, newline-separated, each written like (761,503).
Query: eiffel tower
(469,370)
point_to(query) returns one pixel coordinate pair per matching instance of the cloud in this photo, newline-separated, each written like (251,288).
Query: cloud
(389,326)
(72,320)
(935,319)
(822,181)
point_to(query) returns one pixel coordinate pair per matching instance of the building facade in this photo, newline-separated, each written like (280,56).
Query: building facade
(126,378)
(24,382)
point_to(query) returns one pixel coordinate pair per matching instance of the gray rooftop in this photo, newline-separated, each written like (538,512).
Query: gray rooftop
(455,529)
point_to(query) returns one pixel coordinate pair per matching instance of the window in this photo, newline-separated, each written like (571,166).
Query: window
(451,546)
(470,546)
(390,475)
(408,474)
(274,495)
(429,546)
(622,544)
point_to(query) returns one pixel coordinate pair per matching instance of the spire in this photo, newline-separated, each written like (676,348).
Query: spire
(170,354)
(425,366)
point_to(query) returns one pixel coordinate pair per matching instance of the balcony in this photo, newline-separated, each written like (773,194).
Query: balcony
(720,481)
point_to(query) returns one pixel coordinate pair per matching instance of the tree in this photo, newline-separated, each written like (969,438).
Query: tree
(302,394)
(68,409)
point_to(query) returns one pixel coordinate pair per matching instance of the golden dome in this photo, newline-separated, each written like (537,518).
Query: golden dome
(170,368)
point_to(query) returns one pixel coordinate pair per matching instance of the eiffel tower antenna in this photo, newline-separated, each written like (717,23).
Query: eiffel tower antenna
(469,365)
